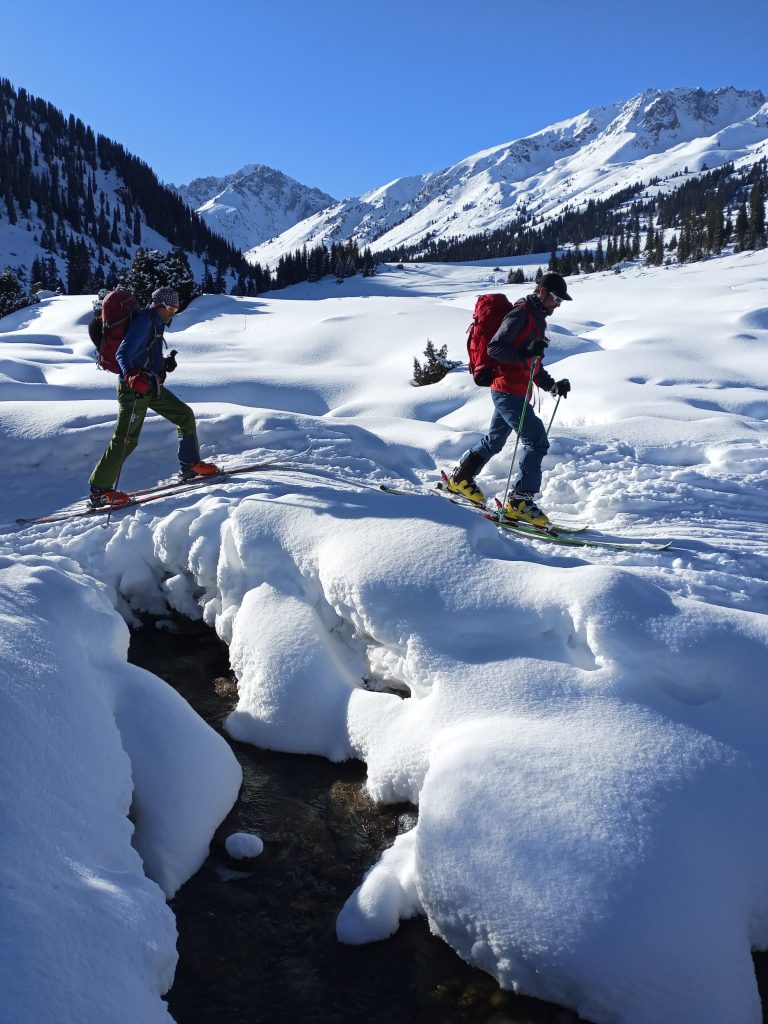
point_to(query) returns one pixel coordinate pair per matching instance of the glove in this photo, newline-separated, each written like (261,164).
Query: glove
(139,381)
(170,362)
(560,388)
(535,347)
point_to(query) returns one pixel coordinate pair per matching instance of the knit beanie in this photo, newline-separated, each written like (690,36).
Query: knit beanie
(166,297)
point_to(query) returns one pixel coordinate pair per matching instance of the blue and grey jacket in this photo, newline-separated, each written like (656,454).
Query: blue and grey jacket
(142,346)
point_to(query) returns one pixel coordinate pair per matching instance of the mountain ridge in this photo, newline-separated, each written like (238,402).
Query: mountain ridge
(656,133)
(76,207)
(255,202)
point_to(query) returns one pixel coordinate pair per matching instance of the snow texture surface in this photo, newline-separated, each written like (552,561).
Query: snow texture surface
(582,731)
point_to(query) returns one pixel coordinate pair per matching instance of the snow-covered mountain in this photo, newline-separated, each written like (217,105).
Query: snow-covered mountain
(253,204)
(656,134)
(76,206)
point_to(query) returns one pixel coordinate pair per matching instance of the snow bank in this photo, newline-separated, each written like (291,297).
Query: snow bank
(89,742)
(586,749)
(386,896)
(576,855)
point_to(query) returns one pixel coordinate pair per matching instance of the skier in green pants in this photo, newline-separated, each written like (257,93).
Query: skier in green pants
(141,387)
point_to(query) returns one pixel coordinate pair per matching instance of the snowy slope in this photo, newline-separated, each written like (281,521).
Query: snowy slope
(65,184)
(582,731)
(253,204)
(591,156)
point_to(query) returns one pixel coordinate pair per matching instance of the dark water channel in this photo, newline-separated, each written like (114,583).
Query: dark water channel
(257,941)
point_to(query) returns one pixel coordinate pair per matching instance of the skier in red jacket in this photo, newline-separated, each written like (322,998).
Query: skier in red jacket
(517,345)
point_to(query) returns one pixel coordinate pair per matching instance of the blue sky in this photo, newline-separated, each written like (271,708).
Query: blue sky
(345,95)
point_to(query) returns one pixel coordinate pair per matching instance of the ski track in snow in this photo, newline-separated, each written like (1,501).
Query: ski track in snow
(580,729)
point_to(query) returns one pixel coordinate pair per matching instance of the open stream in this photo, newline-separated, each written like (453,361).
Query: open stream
(257,942)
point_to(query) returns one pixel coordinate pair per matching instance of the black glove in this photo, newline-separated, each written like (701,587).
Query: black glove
(170,361)
(535,347)
(560,388)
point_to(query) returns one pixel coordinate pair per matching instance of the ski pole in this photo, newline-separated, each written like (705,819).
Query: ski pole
(122,454)
(554,411)
(534,364)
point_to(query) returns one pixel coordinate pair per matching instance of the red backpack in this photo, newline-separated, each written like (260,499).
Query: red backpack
(106,332)
(490,310)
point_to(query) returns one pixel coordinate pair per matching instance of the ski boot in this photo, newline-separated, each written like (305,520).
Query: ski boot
(193,470)
(462,480)
(521,508)
(105,497)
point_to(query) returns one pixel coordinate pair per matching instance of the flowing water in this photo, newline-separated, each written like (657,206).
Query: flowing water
(257,943)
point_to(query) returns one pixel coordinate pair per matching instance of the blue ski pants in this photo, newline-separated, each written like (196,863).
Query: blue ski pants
(533,438)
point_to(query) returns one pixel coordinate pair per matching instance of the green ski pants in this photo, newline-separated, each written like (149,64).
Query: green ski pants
(130,419)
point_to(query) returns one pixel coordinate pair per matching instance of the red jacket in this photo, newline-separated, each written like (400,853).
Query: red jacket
(525,321)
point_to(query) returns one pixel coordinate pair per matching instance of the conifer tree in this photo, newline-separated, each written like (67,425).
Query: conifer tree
(650,244)
(141,279)
(369,263)
(208,284)
(78,268)
(37,273)
(714,225)
(436,365)
(220,282)
(757,216)
(599,255)
(742,227)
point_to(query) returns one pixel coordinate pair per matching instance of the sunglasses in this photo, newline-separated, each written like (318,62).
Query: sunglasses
(557,301)
(175,309)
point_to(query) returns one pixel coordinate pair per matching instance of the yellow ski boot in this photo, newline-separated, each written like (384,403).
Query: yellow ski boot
(521,508)
(465,487)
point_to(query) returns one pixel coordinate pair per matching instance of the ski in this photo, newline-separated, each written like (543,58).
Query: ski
(456,499)
(87,513)
(177,483)
(437,491)
(144,495)
(552,537)
(554,534)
